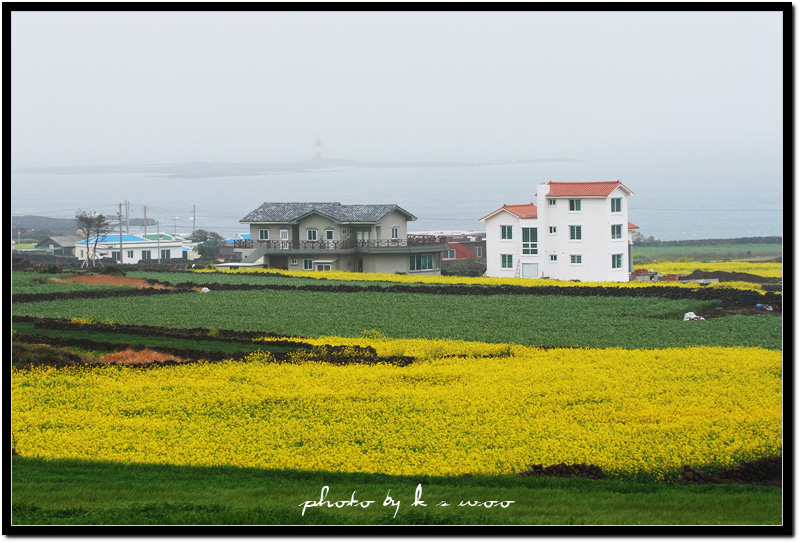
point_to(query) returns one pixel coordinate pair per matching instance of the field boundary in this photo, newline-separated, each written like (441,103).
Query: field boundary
(729,296)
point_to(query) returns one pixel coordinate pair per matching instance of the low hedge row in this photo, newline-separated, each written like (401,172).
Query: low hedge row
(726,295)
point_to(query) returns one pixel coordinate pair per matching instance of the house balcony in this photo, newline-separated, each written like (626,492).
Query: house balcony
(350,245)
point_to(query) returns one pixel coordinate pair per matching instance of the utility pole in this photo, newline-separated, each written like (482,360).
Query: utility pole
(120,234)
(145,220)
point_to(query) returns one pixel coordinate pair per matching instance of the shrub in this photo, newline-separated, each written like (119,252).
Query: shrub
(112,269)
(50,268)
(471,267)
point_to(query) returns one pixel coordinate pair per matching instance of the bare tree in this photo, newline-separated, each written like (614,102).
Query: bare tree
(92,225)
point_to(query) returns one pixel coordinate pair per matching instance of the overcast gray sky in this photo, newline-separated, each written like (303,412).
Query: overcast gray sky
(104,88)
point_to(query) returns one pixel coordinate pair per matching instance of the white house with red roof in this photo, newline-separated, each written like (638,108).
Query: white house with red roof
(578,231)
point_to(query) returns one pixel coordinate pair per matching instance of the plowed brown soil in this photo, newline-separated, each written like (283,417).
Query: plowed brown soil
(129,356)
(116,280)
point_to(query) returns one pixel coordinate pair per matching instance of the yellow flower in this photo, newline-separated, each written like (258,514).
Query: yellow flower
(490,410)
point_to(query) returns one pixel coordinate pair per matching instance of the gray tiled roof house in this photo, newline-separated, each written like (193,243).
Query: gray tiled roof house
(322,236)
(293,212)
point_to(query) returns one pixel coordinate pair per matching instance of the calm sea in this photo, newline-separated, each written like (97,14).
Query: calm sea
(666,205)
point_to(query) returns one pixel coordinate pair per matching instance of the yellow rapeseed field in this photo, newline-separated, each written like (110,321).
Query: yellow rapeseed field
(494,281)
(764,269)
(629,411)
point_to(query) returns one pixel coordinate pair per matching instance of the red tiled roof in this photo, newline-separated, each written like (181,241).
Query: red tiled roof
(461,251)
(523,211)
(632,226)
(588,188)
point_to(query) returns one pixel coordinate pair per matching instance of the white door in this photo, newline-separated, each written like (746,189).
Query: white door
(530,270)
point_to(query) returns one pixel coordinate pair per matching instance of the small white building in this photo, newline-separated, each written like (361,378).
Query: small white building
(578,231)
(133,248)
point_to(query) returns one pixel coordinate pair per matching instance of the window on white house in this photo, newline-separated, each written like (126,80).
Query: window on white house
(616,261)
(616,205)
(530,240)
(395,232)
(506,261)
(574,205)
(311,235)
(449,254)
(165,254)
(575,232)
(308,264)
(115,256)
(551,202)
(294,262)
(130,254)
(421,263)
(146,254)
(505,232)
(263,233)
(329,234)
(284,235)
(553,258)
(616,231)
(344,231)
(323,267)
(575,259)
(552,229)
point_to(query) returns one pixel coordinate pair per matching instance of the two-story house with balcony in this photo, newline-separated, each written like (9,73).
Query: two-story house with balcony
(332,236)
(578,231)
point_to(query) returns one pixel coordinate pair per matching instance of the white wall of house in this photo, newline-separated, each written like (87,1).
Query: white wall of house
(497,247)
(570,244)
(133,252)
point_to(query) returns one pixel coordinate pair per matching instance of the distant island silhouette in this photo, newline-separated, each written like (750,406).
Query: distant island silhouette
(194,170)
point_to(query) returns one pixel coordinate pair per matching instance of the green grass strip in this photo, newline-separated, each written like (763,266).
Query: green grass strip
(79,492)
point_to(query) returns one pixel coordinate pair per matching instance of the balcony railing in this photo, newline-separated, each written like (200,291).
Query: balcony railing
(411,240)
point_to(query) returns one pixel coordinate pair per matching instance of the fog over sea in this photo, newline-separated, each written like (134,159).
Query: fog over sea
(668,204)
